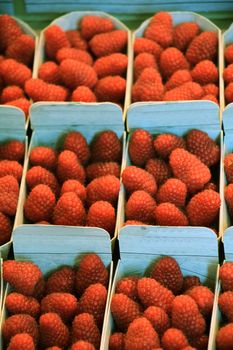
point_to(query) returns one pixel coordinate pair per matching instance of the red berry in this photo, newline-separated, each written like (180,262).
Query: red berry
(5,228)
(167,214)
(228,193)
(21,341)
(224,338)
(184,33)
(110,88)
(21,103)
(69,167)
(85,328)
(205,72)
(104,188)
(142,45)
(102,214)
(44,156)
(55,39)
(116,341)
(39,90)
(124,310)
(49,72)
(137,179)
(82,345)
(161,33)
(83,94)
(38,175)
(141,147)
(99,169)
(203,208)
(76,142)
(203,47)
(14,73)
(174,339)
(106,147)
(17,303)
(228,167)
(92,25)
(10,31)
(187,91)
(53,331)
(158,318)
(228,53)
(12,150)
(171,60)
(178,78)
(8,203)
(20,323)
(140,206)
(225,304)
(204,298)
(24,277)
(164,144)
(226,276)
(229,93)
(39,204)
(69,210)
(74,54)
(11,93)
(90,271)
(76,40)
(211,89)
(105,44)
(17,50)
(76,187)
(172,191)
(11,167)
(228,74)
(114,64)
(64,304)
(190,281)
(162,17)
(159,169)
(142,61)
(128,286)
(61,281)
(9,183)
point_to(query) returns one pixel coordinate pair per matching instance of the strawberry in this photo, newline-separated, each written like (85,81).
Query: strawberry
(20,323)
(76,142)
(189,169)
(11,93)
(140,206)
(75,73)
(205,72)
(211,89)
(128,286)
(99,169)
(76,187)
(187,91)
(22,276)
(224,339)
(172,191)
(114,64)
(164,144)
(38,175)
(174,339)
(137,179)
(141,335)
(39,204)
(124,310)
(43,156)
(167,272)
(16,49)
(161,33)
(229,93)
(203,47)
(61,281)
(82,345)
(8,203)
(92,25)
(228,167)
(204,298)
(199,143)
(110,88)
(91,270)
(5,228)
(187,317)
(83,94)
(116,341)
(190,281)
(85,328)
(39,90)
(93,301)
(74,54)
(21,103)
(141,147)
(102,214)
(159,169)
(158,318)
(105,44)
(17,303)
(228,74)
(226,276)
(69,167)
(142,61)
(11,167)
(171,60)
(228,53)
(152,293)
(184,33)
(55,39)
(225,304)
(228,193)
(14,73)
(203,208)
(53,331)
(63,304)
(9,183)
(142,45)
(49,72)
(104,188)
(21,341)
(69,210)
(76,40)
(167,214)
(106,147)
(178,78)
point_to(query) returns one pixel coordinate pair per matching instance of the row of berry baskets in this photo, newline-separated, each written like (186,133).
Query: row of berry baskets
(91,57)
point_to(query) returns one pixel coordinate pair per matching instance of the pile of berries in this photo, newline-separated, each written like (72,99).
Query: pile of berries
(175,62)
(228,73)
(164,311)
(63,311)
(79,186)
(85,65)
(11,169)
(171,180)
(16,59)
(224,338)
